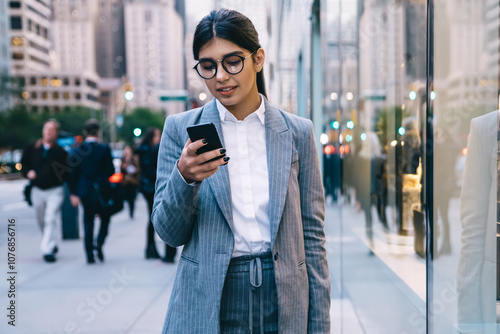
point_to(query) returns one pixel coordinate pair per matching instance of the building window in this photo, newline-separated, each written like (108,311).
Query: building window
(17,41)
(30,25)
(18,56)
(33,81)
(34,109)
(45,95)
(16,23)
(91,97)
(45,81)
(34,95)
(67,96)
(147,16)
(56,82)
(91,84)
(15,4)
(56,95)
(77,82)
(78,96)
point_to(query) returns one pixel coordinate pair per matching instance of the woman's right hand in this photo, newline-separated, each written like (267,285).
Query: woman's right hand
(193,167)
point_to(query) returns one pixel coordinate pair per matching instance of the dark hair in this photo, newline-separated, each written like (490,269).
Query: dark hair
(232,26)
(91,127)
(149,135)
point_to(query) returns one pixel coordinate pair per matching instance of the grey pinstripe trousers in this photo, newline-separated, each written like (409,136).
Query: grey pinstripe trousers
(249,299)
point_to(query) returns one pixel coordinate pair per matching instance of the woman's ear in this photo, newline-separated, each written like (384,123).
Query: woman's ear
(258,59)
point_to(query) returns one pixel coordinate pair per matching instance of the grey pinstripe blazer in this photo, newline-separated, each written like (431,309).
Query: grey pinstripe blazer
(197,217)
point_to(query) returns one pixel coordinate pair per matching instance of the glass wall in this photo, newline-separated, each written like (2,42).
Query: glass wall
(411,93)
(376,103)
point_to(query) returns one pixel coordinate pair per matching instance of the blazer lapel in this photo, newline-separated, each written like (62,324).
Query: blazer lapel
(219,182)
(279,157)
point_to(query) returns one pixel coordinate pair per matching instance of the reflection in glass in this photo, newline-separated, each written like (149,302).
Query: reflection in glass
(476,275)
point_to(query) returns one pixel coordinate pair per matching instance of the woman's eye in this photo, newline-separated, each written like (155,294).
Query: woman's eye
(232,61)
(207,66)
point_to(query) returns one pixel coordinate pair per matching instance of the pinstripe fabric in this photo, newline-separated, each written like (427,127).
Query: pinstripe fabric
(198,216)
(236,299)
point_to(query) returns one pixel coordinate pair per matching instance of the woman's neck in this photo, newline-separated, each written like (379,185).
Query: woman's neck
(241,110)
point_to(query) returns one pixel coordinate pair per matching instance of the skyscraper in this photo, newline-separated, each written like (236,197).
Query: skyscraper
(4,56)
(154,53)
(110,39)
(29,32)
(74,29)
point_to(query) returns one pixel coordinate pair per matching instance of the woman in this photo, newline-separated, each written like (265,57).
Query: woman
(130,170)
(251,226)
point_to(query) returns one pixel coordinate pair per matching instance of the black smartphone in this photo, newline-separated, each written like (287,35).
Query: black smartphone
(205,131)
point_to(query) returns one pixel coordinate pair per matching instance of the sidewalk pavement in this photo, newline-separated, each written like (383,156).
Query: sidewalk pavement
(125,294)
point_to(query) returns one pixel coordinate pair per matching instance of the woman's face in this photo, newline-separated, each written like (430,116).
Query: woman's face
(234,91)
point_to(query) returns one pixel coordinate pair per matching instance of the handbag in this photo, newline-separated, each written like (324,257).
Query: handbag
(109,196)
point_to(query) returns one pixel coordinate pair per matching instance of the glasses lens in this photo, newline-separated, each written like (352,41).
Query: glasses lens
(207,69)
(233,64)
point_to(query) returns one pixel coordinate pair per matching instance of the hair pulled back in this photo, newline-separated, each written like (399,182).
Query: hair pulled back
(232,26)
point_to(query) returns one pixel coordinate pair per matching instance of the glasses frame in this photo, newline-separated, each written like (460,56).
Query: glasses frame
(195,67)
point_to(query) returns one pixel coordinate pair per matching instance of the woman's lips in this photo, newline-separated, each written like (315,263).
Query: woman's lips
(226,91)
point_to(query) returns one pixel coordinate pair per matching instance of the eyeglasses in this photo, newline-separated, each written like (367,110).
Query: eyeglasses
(232,64)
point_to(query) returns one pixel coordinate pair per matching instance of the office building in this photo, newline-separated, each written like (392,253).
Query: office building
(154,54)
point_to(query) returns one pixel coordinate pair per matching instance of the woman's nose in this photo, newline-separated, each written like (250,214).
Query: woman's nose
(221,75)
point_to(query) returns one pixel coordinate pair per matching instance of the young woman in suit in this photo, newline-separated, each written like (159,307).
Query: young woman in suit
(251,222)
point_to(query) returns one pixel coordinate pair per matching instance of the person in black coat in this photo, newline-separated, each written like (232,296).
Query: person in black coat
(148,158)
(46,164)
(92,164)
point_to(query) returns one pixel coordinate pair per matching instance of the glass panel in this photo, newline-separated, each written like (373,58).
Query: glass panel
(463,282)
(375,106)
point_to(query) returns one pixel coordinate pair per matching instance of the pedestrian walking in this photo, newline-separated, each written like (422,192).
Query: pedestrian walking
(251,221)
(92,166)
(148,158)
(45,164)
(130,170)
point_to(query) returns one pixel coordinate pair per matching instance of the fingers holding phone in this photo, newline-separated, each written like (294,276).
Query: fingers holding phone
(196,166)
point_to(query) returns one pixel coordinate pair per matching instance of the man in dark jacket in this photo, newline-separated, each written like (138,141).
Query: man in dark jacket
(46,164)
(92,165)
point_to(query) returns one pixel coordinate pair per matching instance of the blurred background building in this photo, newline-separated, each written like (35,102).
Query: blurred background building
(5,96)
(154,39)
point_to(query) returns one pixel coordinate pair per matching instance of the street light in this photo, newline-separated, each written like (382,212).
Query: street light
(413,95)
(349,96)
(137,132)
(129,96)
(202,96)
(333,96)
(323,138)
